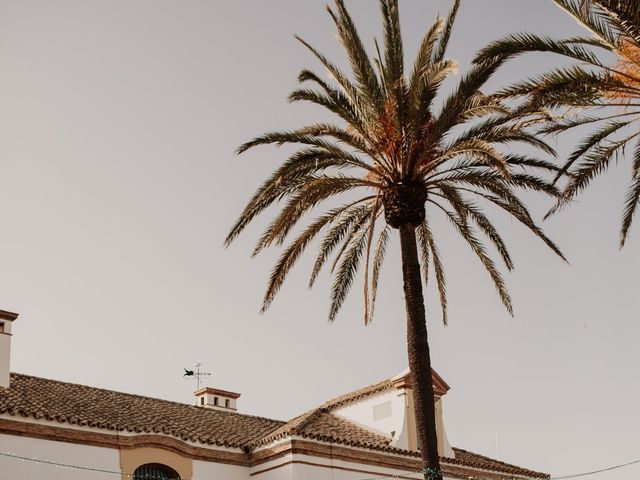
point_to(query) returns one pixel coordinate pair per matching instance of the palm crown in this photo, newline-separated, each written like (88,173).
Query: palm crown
(400,152)
(603,94)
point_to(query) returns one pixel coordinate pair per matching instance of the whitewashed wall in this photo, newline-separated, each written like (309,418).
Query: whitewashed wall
(5,352)
(362,413)
(59,452)
(219,471)
(290,467)
(279,469)
(327,469)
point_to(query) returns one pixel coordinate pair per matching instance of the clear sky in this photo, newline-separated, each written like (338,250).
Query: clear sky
(118,123)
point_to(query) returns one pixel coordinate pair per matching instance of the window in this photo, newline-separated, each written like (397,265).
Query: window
(215,401)
(201,400)
(1,327)
(382,411)
(226,403)
(155,471)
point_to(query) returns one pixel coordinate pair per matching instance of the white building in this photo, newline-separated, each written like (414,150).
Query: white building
(51,430)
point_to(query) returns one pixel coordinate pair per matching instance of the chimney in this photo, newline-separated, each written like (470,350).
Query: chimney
(6,320)
(216,399)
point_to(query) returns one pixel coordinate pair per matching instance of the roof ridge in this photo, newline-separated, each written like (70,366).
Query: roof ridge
(494,461)
(288,428)
(146,397)
(309,417)
(357,394)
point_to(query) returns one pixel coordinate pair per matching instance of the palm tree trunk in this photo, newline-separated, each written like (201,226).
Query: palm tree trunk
(419,357)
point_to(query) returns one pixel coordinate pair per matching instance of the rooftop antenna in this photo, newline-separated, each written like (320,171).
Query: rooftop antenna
(196,374)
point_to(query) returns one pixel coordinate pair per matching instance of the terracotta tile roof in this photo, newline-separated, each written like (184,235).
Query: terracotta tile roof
(464,457)
(74,404)
(358,394)
(39,398)
(322,425)
(319,424)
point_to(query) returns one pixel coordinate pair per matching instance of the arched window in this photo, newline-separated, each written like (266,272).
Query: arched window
(155,471)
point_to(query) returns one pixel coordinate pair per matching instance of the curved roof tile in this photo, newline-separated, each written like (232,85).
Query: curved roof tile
(96,407)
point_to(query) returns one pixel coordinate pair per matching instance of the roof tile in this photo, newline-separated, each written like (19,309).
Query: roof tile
(96,407)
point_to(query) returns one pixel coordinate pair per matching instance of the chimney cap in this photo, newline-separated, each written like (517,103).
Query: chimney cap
(216,391)
(4,315)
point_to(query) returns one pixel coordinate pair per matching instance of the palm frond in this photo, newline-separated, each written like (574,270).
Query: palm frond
(443,43)
(423,59)
(343,227)
(352,93)
(378,259)
(477,149)
(368,83)
(563,86)
(502,196)
(347,268)
(427,241)
(454,107)
(333,100)
(497,130)
(370,230)
(590,142)
(632,199)
(589,18)
(394,57)
(595,162)
(477,248)
(422,236)
(314,192)
(289,256)
(519,43)
(467,209)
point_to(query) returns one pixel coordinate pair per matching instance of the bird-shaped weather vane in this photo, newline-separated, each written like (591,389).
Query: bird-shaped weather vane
(196,374)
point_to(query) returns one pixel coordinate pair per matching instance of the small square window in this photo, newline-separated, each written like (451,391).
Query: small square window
(381,411)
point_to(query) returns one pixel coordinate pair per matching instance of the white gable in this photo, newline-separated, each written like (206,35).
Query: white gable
(390,413)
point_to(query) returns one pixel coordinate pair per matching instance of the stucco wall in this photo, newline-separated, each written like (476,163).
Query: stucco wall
(281,468)
(59,452)
(362,413)
(220,471)
(314,468)
(110,459)
(5,354)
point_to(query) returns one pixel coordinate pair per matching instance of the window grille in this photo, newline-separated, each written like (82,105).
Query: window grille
(155,471)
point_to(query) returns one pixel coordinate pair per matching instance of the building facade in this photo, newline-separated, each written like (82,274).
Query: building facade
(61,431)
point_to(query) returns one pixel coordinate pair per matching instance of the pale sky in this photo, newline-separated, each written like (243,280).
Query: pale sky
(118,123)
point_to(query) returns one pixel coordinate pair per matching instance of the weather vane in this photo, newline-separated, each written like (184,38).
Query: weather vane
(196,374)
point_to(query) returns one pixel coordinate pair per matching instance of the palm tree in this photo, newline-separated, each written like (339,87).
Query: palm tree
(391,155)
(597,92)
